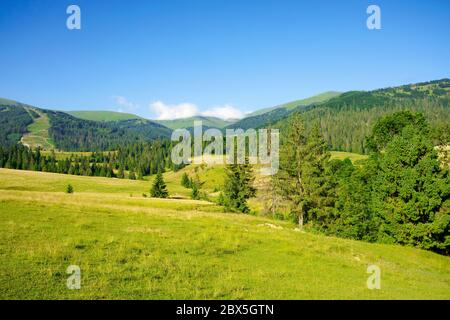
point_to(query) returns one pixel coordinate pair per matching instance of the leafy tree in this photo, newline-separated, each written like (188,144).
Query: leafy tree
(392,125)
(159,189)
(411,193)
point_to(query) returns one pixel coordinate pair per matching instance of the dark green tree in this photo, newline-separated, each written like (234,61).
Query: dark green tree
(69,188)
(196,185)
(186,181)
(238,187)
(159,189)
(302,179)
(411,193)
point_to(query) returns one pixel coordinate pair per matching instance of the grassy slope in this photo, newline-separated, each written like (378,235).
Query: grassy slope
(103,115)
(341,155)
(38,133)
(212,175)
(8,102)
(211,122)
(136,247)
(302,102)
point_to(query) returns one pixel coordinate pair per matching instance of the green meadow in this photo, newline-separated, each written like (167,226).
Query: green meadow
(129,246)
(38,133)
(103,115)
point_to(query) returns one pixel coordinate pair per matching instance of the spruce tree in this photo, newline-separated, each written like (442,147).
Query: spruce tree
(186,181)
(120,173)
(69,188)
(301,178)
(196,186)
(238,187)
(159,189)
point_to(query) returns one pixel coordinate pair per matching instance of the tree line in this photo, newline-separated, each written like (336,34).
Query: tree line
(401,194)
(133,161)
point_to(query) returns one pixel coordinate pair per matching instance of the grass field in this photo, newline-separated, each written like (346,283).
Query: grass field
(38,133)
(131,247)
(103,115)
(341,155)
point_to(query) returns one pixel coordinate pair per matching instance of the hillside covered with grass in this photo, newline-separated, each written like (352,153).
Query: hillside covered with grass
(211,122)
(103,115)
(132,247)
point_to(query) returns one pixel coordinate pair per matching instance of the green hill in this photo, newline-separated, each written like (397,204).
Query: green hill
(74,134)
(8,102)
(103,115)
(302,102)
(347,119)
(271,115)
(55,129)
(211,122)
(132,247)
(37,133)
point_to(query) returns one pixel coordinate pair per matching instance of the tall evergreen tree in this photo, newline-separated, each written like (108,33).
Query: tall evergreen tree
(186,181)
(196,185)
(301,178)
(159,189)
(238,187)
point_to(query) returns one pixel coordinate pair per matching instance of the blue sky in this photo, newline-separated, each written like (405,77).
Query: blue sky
(163,59)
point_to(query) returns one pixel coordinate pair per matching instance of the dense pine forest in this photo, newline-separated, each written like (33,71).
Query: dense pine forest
(132,162)
(73,134)
(346,120)
(13,123)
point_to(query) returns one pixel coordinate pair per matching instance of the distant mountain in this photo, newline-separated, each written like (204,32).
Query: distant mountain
(74,134)
(302,102)
(14,120)
(272,115)
(69,133)
(211,122)
(7,102)
(103,115)
(346,120)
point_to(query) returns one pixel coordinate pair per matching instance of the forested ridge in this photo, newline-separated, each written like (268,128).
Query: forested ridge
(13,123)
(73,134)
(346,120)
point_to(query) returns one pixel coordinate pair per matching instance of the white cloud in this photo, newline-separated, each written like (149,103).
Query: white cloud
(224,112)
(125,105)
(186,110)
(177,111)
